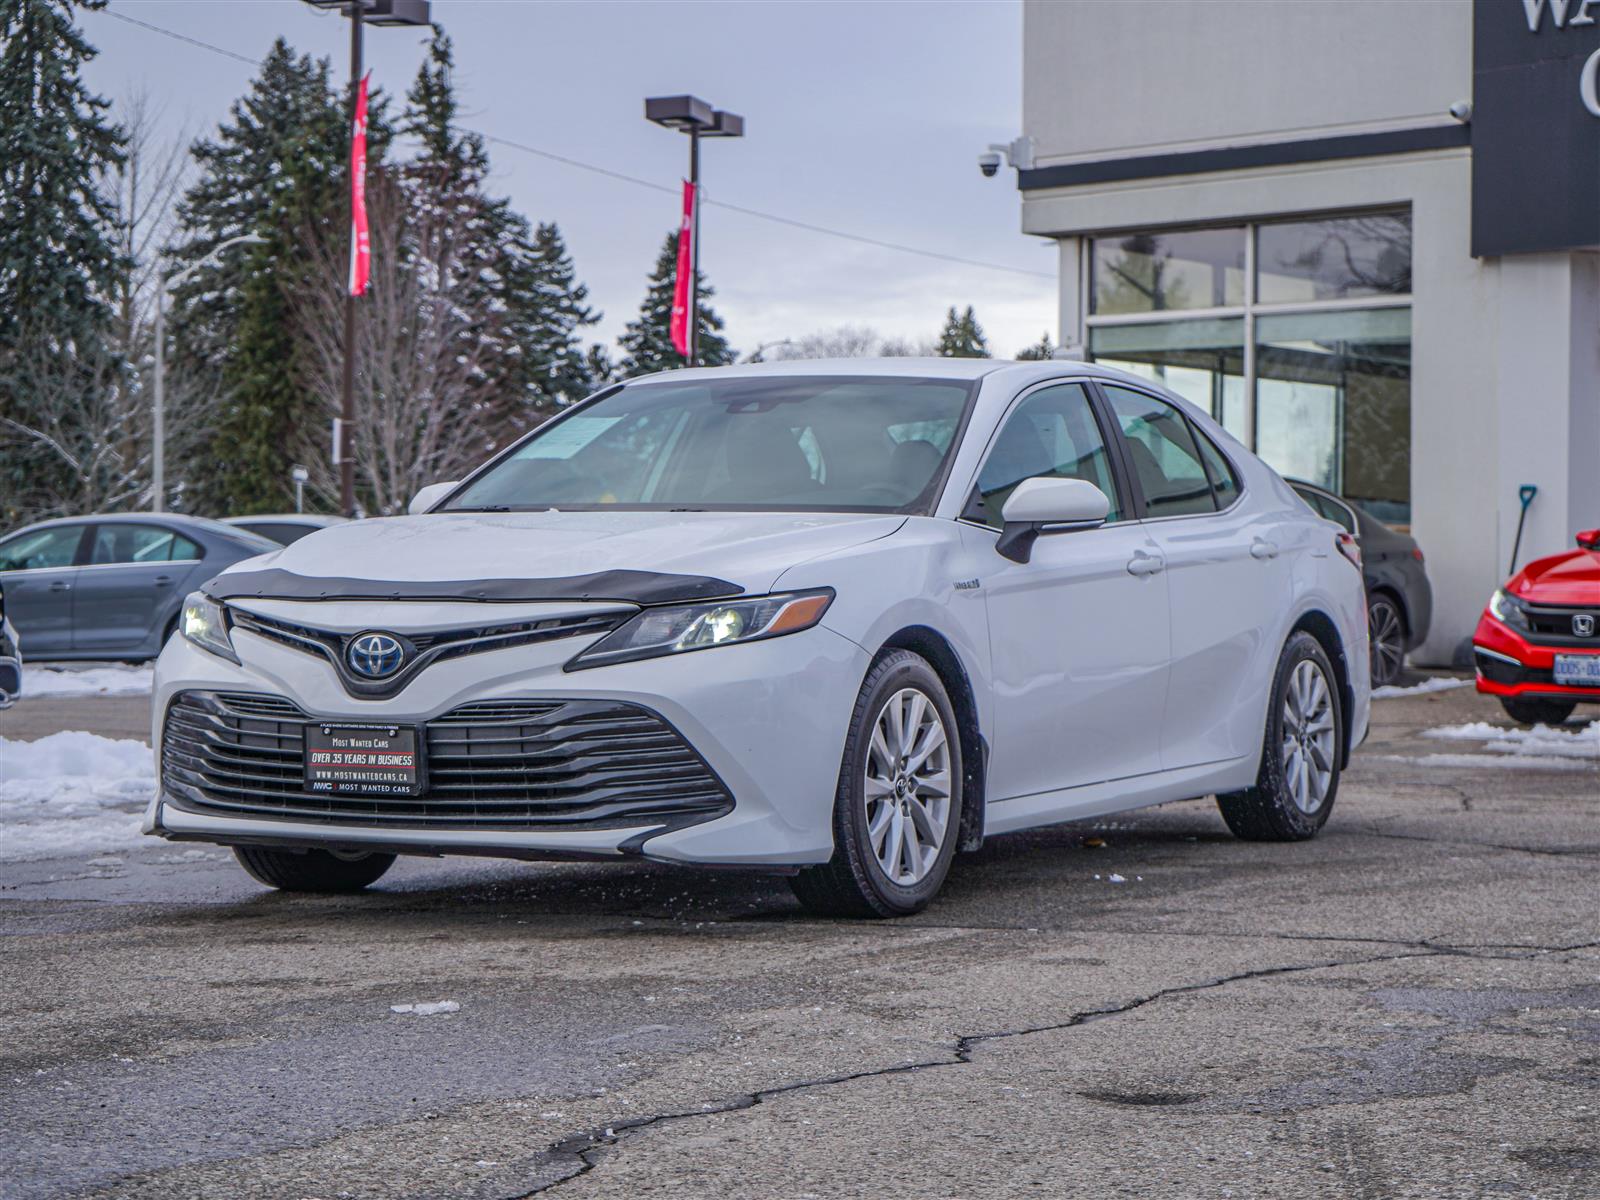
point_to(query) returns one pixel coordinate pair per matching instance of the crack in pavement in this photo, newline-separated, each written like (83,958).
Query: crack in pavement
(1575,852)
(580,1149)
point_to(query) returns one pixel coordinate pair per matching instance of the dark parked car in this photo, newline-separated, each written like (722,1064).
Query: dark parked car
(111,586)
(284,528)
(1399,597)
(10,659)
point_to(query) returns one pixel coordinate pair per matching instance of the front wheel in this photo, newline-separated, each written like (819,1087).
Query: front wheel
(897,809)
(1536,712)
(1299,775)
(312,870)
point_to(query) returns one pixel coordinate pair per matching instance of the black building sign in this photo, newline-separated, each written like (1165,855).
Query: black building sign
(1535,125)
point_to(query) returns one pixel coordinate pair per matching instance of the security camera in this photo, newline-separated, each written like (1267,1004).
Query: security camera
(1461,110)
(989,164)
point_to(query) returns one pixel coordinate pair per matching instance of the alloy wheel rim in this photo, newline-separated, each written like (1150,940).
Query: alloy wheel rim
(907,786)
(1308,750)
(1387,652)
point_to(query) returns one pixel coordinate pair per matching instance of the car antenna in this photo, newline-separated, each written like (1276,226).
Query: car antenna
(1525,493)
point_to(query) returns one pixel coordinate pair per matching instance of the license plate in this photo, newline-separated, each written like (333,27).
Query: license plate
(1578,670)
(362,760)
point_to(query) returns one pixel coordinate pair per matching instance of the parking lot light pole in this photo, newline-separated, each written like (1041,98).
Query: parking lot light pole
(361,13)
(158,432)
(693,116)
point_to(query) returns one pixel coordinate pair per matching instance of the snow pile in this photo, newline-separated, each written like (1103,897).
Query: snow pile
(426,1010)
(1539,747)
(71,792)
(92,681)
(1434,683)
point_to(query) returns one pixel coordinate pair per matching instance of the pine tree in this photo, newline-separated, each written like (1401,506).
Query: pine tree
(524,274)
(277,169)
(647,343)
(549,313)
(962,336)
(1039,351)
(58,263)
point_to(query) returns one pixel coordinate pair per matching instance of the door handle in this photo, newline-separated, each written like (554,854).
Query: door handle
(1145,564)
(1261,548)
(163,580)
(60,585)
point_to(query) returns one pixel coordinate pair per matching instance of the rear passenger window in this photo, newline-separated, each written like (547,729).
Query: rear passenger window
(1224,483)
(139,544)
(1164,455)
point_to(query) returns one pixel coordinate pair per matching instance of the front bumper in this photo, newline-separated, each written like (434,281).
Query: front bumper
(1510,665)
(768,719)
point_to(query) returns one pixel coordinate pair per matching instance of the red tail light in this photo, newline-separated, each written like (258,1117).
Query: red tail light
(1350,548)
(1416,553)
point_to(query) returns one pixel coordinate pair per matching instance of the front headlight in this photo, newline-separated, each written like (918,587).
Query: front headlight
(206,625)
(684,627)
(1509,610)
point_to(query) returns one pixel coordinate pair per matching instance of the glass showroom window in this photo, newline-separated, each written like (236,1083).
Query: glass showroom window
(1296,335)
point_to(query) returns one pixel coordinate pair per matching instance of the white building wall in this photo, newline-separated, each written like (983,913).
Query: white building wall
(1129,77)
(1505,352)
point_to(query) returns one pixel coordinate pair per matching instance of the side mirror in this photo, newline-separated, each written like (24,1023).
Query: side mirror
(1048,504)
(1589,539)
(431,495)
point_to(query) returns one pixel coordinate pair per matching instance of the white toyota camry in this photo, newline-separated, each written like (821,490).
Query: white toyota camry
(835,620)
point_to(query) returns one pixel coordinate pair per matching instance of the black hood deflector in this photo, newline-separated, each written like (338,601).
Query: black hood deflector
(629,587)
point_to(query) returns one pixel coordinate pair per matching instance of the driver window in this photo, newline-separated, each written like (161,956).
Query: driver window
(1052,433)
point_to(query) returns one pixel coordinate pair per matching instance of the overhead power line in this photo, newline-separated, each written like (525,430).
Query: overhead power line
(624,177)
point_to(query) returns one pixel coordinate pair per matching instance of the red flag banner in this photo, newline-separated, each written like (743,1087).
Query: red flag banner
(680,293)
(360,242)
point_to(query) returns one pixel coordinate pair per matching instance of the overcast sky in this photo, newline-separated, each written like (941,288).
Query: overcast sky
(863,117)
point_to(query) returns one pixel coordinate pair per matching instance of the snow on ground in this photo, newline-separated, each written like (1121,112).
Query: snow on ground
(97,680)
(72,792)
(1542,747)
(1434,683)
(432,1009)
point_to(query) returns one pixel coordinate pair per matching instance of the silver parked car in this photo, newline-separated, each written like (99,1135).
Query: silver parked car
(111,586)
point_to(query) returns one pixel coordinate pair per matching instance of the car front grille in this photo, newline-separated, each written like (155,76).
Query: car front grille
(1552,625)
(496,764)
(425,648)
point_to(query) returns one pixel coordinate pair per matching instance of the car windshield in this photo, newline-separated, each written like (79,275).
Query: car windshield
(825,443)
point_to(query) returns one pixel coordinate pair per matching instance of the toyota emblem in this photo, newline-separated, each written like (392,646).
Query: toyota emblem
(375,655)
(1583,624)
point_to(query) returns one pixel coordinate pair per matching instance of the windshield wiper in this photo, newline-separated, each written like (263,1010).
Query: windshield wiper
(482,508)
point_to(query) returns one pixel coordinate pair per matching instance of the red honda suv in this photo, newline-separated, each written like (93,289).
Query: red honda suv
(1538,643)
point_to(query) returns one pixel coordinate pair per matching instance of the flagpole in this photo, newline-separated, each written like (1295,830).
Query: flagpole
(694,248)
(347,400)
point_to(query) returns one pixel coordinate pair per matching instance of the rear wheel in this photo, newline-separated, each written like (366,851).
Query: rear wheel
(312,870)
(1387,630)
(897,810)
(1536,712)
(1299,775)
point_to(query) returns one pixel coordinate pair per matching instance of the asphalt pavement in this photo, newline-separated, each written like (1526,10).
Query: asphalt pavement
(1408,1006)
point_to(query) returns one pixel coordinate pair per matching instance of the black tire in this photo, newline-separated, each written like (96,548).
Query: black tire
(1268,812)
(312,870)
(854,883)
(1536,712)
(1386,631)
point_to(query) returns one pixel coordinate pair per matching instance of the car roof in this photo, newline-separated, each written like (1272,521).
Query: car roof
(317,519)
(918,368)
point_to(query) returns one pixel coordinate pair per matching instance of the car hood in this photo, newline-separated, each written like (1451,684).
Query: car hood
(1567,579)
(639,556)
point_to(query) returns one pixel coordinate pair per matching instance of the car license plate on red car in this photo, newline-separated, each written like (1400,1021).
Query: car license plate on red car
(362,760)
(1578,670)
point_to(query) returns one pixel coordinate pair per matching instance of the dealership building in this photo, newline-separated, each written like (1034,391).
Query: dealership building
(1364,236)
